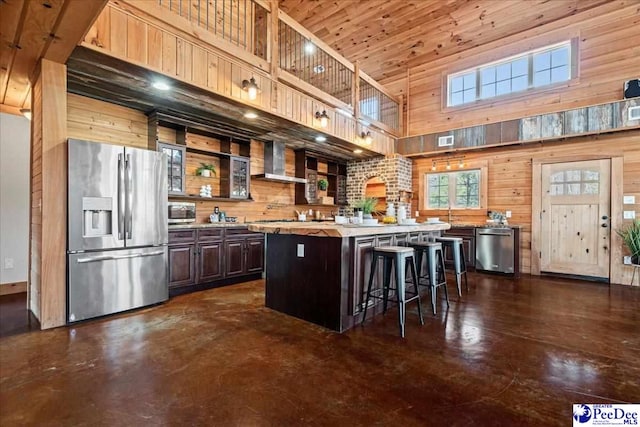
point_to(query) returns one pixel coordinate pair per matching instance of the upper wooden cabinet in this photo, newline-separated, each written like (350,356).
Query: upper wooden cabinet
(190,146)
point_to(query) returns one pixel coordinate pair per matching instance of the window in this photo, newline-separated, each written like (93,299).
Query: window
(574,183)
(455,190)
(530,70)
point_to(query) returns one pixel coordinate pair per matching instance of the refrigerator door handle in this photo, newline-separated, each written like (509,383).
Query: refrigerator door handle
(129,202)
(114,257)
(121,201)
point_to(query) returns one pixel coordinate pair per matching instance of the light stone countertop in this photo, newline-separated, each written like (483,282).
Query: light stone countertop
(206,225)
(336,230)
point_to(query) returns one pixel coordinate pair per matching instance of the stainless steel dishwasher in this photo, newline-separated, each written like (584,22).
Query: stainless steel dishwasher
(495,249)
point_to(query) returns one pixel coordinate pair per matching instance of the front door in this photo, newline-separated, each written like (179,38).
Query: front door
(575,222)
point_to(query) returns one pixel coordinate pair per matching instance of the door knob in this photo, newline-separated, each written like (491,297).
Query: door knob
(605,217)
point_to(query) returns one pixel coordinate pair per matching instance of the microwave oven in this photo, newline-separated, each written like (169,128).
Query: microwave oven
(181,212)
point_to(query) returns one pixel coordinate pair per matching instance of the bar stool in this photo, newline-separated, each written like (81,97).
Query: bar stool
(459,263)
(402,257)
(435,267)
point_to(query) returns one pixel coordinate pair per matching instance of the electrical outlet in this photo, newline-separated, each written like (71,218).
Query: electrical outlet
(300,250)
(8,263)
(629,215)
(508,214)
(627,260)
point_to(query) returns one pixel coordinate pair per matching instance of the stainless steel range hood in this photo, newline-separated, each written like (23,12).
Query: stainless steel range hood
(274,160)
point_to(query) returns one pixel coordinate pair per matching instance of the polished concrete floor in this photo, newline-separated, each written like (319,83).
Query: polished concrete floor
(510,353)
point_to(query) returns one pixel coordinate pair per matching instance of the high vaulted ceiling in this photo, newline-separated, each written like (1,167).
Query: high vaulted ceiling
(389,36)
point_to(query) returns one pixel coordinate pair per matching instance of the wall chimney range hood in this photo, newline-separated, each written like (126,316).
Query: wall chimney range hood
(274,162)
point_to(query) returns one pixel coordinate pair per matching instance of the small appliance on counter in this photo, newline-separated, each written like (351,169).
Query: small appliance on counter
(117,229)
(181,212)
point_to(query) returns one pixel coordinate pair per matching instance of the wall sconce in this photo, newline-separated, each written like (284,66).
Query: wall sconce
(26,113)
(366,137)
(251,88)
(323,117)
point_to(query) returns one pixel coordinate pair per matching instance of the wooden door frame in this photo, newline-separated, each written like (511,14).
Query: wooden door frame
(615,196)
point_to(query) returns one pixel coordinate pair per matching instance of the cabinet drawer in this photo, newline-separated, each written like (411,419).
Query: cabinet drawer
(239,231)
(182,236)
(210,234)
(460,232)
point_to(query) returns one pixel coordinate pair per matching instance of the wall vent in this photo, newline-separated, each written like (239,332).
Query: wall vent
(447,141)
(634,113)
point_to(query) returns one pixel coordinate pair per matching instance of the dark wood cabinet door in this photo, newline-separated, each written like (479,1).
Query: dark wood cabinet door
(234,257)
(182,270)
(255,255)
(210,262)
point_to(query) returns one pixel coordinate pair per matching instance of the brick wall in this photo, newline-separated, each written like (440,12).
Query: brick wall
(394,170)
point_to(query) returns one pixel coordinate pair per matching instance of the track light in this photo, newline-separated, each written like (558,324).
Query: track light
(461,164)
(251,88)
(447,161)
(323,117)
(448,167)
(433,165)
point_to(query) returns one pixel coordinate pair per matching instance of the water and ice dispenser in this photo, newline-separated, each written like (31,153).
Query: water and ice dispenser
(96,218)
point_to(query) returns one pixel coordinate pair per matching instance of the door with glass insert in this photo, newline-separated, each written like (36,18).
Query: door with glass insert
(239,178)
(175,167)
(575,218)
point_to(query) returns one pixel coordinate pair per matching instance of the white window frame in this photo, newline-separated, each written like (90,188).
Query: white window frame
(482,187)
(570,45)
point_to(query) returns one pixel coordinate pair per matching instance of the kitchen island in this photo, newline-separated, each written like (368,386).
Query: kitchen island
(318,271)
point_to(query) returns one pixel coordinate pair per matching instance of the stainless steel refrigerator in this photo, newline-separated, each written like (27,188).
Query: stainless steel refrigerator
(117,229)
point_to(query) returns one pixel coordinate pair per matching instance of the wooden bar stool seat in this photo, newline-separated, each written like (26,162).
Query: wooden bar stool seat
(398,257)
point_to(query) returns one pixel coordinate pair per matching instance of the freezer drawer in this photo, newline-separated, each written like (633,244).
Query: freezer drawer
(108,282)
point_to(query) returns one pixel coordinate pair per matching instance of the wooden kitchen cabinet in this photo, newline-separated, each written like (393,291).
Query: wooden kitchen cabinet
(182,270)
(214,257)
(468,246)
(336,176)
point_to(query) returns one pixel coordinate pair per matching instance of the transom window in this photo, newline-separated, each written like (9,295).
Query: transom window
(530,70)
(455,190)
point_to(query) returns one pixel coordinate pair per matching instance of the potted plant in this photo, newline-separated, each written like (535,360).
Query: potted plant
(323,184)
(631,237)
(206,169)
(368,204)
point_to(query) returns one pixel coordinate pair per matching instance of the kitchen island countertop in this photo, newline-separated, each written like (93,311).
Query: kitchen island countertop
(338,230)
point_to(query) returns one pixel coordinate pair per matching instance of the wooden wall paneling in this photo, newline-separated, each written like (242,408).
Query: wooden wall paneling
(100,121)
(212,71)
(118,33)
(169,54)
(183,59)
(136,39)
(154,49)
(54,206)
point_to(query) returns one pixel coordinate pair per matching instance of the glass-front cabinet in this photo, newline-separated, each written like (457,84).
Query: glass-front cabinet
(237,171)
(175,167)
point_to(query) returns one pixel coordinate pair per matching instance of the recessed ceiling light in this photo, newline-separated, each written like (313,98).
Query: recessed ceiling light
(250,115)
(357,151)
(161,85)
(321,138)
(318,69)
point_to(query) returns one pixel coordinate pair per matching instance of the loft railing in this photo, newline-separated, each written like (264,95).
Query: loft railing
(377,106)
(302,58)
(243,23)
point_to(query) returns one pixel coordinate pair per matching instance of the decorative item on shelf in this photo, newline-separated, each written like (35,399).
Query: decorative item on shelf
(205,191)
(251,87)
(325,200)
(206,169)
(323,117)
(366,205)
(631,238)
(323,184)
(447,161)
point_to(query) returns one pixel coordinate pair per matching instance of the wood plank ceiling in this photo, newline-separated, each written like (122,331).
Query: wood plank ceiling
(389,36)
(35,29)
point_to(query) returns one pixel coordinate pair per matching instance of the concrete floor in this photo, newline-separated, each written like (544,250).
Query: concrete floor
(510,353)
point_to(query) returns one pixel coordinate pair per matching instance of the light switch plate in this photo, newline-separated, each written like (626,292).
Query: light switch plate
(629,215)
(629,200)
(508,214)
(300,250)
(627,260)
